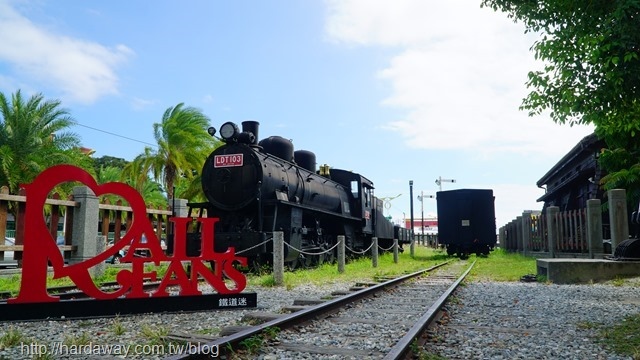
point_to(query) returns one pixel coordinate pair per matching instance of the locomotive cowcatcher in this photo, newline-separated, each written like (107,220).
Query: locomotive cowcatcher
(257,188)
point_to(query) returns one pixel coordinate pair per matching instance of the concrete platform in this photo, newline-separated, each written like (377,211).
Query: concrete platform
(576,271)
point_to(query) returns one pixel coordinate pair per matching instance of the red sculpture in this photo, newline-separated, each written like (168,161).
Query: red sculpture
(40,249)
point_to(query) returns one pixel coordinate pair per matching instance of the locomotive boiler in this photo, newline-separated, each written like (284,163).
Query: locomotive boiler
(258,187)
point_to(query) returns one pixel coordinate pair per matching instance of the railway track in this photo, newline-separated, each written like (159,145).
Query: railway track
(66,292)
(380,321)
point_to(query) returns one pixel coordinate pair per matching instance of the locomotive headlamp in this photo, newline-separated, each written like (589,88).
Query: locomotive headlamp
(229,131)
(211,130)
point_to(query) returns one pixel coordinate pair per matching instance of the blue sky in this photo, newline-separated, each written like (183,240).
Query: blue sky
(395,90)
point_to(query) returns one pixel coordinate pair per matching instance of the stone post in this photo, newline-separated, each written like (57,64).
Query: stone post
(412,245)
(180,208)
(618,217)
(504,241)
(518,228)
(341,253)
(101,244)
(278,258)
(395,251)
(594,228)
(85,225)
(374,252)
(526,232)
(552,229)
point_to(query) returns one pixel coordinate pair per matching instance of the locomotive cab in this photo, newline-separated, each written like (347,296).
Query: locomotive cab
(361,196)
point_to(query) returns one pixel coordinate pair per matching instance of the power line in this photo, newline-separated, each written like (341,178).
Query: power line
(110,133)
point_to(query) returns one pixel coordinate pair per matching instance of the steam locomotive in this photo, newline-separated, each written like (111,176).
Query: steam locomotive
(257,188)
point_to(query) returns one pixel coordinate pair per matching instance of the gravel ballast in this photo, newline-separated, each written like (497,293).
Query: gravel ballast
(532,321)
(487,320)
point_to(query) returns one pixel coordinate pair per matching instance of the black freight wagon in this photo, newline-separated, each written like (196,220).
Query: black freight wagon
(466,221)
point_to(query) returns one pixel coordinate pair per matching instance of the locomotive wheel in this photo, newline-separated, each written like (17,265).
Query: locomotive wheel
(308,261)
(330,257)
(326,242)
(451,250)
(259,264)
(292,265)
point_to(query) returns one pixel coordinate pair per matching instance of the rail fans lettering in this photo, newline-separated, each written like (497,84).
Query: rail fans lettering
(40,248)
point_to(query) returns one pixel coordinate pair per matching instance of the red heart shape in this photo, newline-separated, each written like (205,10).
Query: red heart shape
(39,246)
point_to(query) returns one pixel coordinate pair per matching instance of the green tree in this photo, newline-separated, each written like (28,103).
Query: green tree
(183,143)
(591,73)
(109,161)
(33,136)
(137,176)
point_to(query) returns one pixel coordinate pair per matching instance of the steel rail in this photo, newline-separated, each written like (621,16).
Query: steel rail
(399,351)
(289,320)
(65,292)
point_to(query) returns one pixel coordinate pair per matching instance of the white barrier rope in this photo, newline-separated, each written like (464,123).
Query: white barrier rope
(318,253)
(359,252)
(254,246)
(308,253)
(383,249)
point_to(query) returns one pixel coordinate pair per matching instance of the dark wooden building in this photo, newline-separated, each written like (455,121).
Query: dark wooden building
(575,178)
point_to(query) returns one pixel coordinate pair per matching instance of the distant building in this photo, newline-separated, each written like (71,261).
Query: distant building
(87,151)
(430,225)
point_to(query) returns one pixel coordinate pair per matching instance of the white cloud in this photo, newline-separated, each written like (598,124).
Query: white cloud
(207,99)
(141,104)
(81,70)
(512,200)
(459,72)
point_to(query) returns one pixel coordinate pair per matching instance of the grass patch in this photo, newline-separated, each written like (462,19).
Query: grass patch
(155,335)
(208,331)
(624,337)
(11,338)
(501,265)
(498,266)
(253,344)
(358,270)
(77,340)
(118,327)
(12,283)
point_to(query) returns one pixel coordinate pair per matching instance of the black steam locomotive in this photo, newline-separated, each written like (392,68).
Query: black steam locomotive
(257,188)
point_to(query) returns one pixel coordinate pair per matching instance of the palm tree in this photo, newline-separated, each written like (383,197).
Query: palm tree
(34,136)
(182,142)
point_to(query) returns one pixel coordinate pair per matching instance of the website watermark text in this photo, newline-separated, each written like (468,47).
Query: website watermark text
(90,349)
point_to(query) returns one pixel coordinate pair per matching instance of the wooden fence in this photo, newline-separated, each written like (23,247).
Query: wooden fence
(571,232)
(530,233)
(116,217)
(575,233)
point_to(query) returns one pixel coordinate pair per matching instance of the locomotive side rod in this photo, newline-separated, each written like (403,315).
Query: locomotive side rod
(289,320)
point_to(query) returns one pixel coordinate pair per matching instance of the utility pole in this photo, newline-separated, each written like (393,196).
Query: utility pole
(440,180)
(421,197)
(413,240)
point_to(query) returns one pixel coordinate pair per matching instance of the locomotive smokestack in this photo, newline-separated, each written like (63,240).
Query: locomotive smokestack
(252,127)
